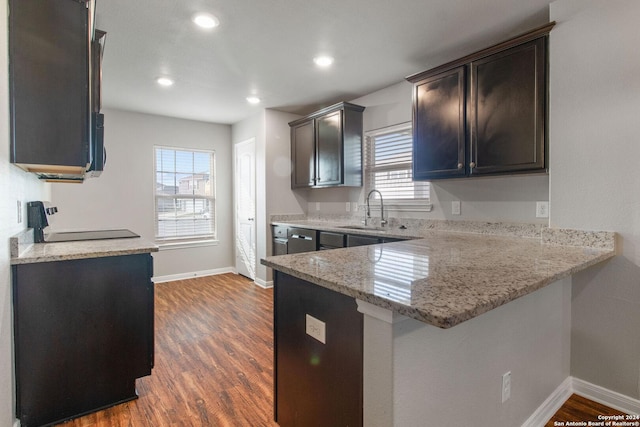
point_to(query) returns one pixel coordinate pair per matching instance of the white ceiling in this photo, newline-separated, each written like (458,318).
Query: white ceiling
(266,47)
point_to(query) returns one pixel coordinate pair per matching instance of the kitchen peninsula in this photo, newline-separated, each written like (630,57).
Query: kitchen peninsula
(83,324)
(448,314)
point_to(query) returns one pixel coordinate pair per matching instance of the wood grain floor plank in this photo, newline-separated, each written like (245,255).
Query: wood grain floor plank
(578,408)
(214,359)
(214,362)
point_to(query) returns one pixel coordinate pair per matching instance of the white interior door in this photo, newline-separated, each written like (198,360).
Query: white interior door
(245,193)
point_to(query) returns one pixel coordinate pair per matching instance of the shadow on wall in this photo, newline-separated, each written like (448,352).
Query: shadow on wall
(501,198)
(514,188)
(604,311)
(382,115)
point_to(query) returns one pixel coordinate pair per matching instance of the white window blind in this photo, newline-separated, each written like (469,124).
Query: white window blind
(184,194)
(388,166)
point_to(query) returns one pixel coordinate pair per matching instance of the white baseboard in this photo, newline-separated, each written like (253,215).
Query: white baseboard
(594,392)
(607,397)
(551,405)
(264,284)
(192,274)
(16,423)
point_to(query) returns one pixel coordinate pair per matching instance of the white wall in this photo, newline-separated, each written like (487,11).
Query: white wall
(253,127)
(14,185)
(420,375)
(280,198)
(464,365)
(453,377)
(511,198)
(594,184)
(122,197)
(271,131)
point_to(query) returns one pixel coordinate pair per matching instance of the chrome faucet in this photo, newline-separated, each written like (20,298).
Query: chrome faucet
(383,221)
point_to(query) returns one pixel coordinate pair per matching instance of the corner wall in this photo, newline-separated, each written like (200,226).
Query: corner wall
(122,197)
(270,128)
(415,371)
(594,184)
(253,127)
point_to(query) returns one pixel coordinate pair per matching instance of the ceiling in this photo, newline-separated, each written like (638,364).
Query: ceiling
(266,48)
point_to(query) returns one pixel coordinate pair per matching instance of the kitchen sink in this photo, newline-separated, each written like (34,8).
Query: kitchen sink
(362,227)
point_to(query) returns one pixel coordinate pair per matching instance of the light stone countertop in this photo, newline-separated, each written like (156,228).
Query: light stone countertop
(446,277)
(27,253)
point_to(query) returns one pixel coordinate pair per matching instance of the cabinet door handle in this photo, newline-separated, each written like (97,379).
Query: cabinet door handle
(460,165)
(472,165)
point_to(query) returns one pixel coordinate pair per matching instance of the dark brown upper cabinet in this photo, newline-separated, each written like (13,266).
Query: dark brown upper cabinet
(326,148)
(50,45)
(483,114)
(303,155)
(439,147)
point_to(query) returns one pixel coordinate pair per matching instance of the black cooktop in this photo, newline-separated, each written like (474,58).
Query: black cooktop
(71,236)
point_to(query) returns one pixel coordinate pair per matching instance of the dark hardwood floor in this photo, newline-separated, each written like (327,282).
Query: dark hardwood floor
(213,361)
(578,408)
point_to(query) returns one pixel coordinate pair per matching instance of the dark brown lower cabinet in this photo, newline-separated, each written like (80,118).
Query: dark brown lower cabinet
(316,384)
(83,333)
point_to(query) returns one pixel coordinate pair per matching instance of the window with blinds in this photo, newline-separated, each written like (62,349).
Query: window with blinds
(388,164)
(184,194)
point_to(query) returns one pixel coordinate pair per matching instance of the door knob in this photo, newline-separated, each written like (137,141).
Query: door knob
(460,165)
(250,219)
(472,165)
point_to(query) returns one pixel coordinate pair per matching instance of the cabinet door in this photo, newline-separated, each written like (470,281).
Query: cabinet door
(316,384)
(83,333)
(49,72)
(329,149)
(303,155)
(439,126)
(507,110)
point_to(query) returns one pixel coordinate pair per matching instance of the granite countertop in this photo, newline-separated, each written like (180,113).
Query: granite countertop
(447,277)
(23,251)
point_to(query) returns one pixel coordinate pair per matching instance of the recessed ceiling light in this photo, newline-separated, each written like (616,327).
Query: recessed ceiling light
(205,20)
(253,100)
(323,61)
(164,81)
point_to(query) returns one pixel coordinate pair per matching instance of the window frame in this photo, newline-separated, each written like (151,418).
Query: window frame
(194,240)
(397,205)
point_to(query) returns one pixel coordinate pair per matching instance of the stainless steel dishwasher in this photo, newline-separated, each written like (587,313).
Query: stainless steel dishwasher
(280,241)
(301,240)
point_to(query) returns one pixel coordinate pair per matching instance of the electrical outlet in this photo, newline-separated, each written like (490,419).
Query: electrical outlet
(317,206)
(316,328)
(542,209)
(355,206)
(348,206)
(455,207)
(19,203)
(506,386)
